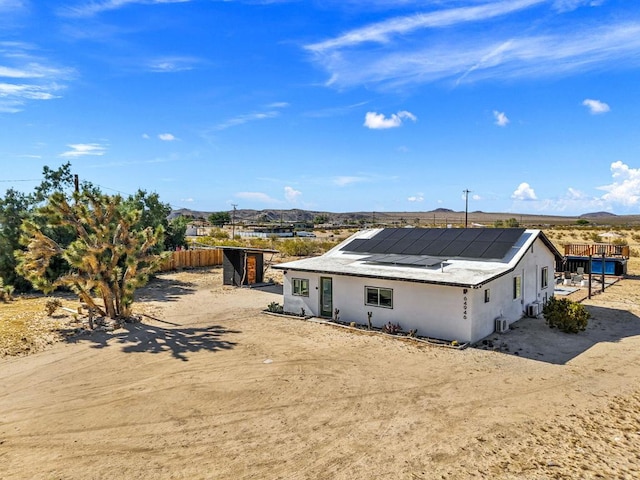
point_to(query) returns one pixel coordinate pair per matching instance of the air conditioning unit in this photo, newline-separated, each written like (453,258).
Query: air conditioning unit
(501,325)
(533,309)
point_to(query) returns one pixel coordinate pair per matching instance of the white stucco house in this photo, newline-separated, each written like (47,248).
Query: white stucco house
(450,284)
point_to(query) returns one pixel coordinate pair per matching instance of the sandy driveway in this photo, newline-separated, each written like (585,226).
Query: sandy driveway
(212,388)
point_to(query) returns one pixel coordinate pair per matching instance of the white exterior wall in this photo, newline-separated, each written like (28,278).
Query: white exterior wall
(294,303)
(435,311)
(502,302)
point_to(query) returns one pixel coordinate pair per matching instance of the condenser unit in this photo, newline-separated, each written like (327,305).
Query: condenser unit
(533,309)
(501,325)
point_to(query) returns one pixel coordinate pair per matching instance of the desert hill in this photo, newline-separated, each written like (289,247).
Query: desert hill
(437,217)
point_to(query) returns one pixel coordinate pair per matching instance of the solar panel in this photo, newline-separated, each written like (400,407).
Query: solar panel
(454,249)
(497,250)
(469,234)
(510,235)
(354,245)
(475,249)
(451,242)
(435,247)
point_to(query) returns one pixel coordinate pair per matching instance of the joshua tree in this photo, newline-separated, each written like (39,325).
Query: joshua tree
(108,257)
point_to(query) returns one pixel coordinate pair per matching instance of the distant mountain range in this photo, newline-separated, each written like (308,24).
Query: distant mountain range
(437,217)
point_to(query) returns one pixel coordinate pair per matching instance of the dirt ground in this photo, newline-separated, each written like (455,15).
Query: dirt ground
(209,387)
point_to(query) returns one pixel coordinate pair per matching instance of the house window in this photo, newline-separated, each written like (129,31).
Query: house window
(379,297)
(487,295)
(517,287)
(544,277)
(300,286)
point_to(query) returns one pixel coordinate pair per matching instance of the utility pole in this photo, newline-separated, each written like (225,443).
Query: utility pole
(76,183)
(233,221)
(466,205)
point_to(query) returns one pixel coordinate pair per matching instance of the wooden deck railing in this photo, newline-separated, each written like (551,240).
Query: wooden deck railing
(596,250)
(192,259)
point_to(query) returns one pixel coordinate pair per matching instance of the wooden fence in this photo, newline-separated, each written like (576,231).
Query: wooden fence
(192,259)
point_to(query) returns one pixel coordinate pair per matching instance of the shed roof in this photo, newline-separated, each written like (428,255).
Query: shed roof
(462,257)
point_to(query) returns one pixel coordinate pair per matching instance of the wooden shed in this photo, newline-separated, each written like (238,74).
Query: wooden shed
(243,266)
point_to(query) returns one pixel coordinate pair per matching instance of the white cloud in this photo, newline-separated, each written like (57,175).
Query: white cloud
(172,64)
(625,189)
(501,118)
(27,77)
(146,136)
(344,180)
(410,51)
(166,137)
(377,121)
(596,106)
(278,105)
(257,197)
(524,192)
(84,149)
(242,119)
(382,32)
(416,198)
(89,9)
(187,200)
(291,194)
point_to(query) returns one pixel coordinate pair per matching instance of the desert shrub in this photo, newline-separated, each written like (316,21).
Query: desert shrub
(595,238)
(298,247)
(275,307)
(52,305)
(566,315)
(218,234)
(392,328)
(619,241)
(6,291)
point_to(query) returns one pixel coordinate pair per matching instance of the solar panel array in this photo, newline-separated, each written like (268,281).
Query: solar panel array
(477,243)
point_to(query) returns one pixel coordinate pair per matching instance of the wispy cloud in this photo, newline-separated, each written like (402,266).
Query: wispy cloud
(382,32)
(24,76)
(407,51)
(501,118)
(242,119)
(172,64)
(84,149)
(596,107)
(167,137)
(377,121)
(524,192)
(344,180)
(92,8)
(419,197)
(259,197)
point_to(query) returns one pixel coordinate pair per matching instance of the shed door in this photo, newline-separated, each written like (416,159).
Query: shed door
(251,270)
(326,296)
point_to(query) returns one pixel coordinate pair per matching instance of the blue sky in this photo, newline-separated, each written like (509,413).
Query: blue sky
(333,105)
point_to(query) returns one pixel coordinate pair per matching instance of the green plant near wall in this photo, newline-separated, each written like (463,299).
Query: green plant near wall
(566,315)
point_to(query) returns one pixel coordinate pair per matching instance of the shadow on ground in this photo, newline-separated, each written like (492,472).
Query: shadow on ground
(531,337)
(272,288)
(145,338)
(162,289)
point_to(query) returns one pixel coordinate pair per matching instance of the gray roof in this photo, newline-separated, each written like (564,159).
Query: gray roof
(462,257)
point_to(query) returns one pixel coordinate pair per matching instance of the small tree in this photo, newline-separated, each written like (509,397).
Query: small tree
(567,316)
(219,219)
(108,256)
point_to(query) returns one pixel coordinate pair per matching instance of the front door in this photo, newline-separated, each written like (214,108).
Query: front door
(326,296)
(251,270)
